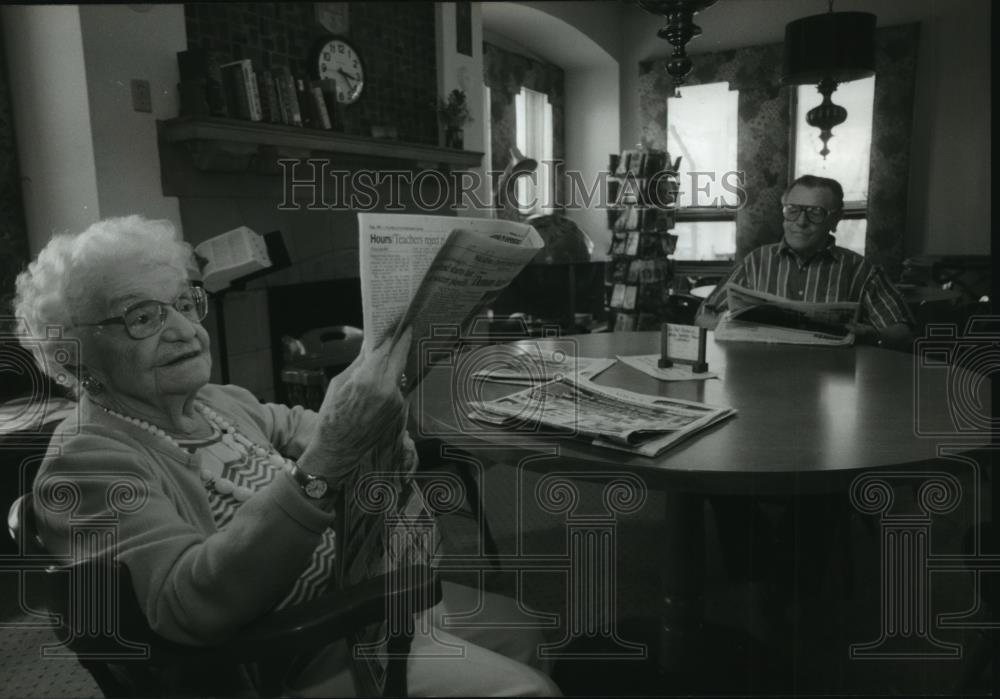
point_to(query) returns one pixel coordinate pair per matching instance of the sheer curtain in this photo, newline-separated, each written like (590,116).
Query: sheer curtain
(533,116)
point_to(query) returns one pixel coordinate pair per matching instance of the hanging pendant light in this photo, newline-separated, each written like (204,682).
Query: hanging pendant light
(825,50)
(679,30)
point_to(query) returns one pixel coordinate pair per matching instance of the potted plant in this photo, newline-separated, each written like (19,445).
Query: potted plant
(454,113)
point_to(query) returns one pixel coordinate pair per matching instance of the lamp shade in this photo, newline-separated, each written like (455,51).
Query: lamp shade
(835,45)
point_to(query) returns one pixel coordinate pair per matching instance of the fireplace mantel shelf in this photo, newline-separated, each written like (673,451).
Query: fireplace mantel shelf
(295,139)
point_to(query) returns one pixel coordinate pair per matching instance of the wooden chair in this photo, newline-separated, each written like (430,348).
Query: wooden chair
(128,659)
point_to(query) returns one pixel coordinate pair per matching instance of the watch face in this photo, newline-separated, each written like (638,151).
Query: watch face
(316,488)
(339,62)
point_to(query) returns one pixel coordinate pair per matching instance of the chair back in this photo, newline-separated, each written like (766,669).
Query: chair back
(97,619)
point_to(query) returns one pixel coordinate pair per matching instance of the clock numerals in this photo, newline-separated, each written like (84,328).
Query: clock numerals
(338,61)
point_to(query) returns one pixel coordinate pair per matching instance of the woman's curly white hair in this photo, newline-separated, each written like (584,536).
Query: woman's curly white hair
(66,280)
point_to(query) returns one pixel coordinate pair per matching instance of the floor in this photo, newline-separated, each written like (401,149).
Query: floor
(810,658)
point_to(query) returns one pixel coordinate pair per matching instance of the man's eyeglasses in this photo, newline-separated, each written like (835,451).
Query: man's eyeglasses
(814,214)
(146,318)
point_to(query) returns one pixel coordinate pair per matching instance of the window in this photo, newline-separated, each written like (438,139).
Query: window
(702,131)
(533,124)
(850,151)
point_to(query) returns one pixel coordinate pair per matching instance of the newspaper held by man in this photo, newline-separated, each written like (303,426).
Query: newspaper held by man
(757,316)
(422,271)
(604,416)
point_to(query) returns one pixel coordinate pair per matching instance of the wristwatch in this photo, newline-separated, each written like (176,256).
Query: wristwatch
(315,487)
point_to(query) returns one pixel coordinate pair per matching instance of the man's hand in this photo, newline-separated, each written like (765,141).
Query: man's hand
(362,406)
(896,336)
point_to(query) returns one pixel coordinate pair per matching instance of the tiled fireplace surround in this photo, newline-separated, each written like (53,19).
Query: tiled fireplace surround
(322,244)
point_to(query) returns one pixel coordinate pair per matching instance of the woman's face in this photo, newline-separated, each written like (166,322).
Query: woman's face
(175,361)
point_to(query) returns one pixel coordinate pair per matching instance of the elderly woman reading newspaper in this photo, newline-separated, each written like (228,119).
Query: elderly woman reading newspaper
(238,508)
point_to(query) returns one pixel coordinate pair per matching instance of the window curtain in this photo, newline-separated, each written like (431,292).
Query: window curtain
(534,112)
(505,73)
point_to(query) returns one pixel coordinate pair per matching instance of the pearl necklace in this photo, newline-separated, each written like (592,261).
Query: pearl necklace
(231,437)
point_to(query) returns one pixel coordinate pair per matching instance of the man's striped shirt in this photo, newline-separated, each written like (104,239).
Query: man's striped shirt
(833,274)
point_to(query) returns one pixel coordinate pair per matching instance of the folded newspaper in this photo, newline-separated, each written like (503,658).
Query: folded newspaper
(756,316)
(512,364)
(435,272)
(604,416)
(429,273)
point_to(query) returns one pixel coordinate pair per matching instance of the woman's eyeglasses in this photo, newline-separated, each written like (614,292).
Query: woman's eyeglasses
(814,214)
(146,318)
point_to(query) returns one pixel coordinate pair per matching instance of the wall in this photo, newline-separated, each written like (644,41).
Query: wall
(591,136)
(593,84)
(48,86)
(459,71)
(599,21)
(407,75)
(13,232)
(395,41)
(950,193)
(85,153)
(121,43)
(584,39)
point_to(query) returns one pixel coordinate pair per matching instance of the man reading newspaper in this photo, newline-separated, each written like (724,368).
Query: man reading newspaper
(763,540)
(808,266)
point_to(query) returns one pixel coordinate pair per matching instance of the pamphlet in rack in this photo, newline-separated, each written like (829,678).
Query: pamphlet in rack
(756,316)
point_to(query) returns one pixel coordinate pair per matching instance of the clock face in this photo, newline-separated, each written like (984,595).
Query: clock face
(339,62)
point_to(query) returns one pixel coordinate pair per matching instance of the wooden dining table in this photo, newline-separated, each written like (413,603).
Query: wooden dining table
(809,420)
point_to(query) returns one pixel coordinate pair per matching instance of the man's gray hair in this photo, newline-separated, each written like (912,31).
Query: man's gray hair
(817,182)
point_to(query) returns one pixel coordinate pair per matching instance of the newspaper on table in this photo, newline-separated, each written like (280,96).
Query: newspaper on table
(420,272)
(551,364)
(604,416)
(756,316)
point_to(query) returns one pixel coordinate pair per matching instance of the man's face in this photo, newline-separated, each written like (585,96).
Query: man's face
(802,235)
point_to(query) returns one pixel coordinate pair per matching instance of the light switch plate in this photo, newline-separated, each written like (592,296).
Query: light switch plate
(142,100)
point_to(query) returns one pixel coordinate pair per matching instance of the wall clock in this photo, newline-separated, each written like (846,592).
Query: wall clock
(336,60)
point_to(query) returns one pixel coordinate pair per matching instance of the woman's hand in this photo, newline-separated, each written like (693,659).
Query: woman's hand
(362,406)
(410,460)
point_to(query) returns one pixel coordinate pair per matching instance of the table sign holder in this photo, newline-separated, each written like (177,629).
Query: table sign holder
(685,347)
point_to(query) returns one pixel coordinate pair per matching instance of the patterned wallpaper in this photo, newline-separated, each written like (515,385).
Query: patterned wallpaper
(396,41)
(764,114)
(895,71)
(13,233)
(505,73)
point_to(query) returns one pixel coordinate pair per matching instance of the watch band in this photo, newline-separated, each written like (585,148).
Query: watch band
(314,487)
